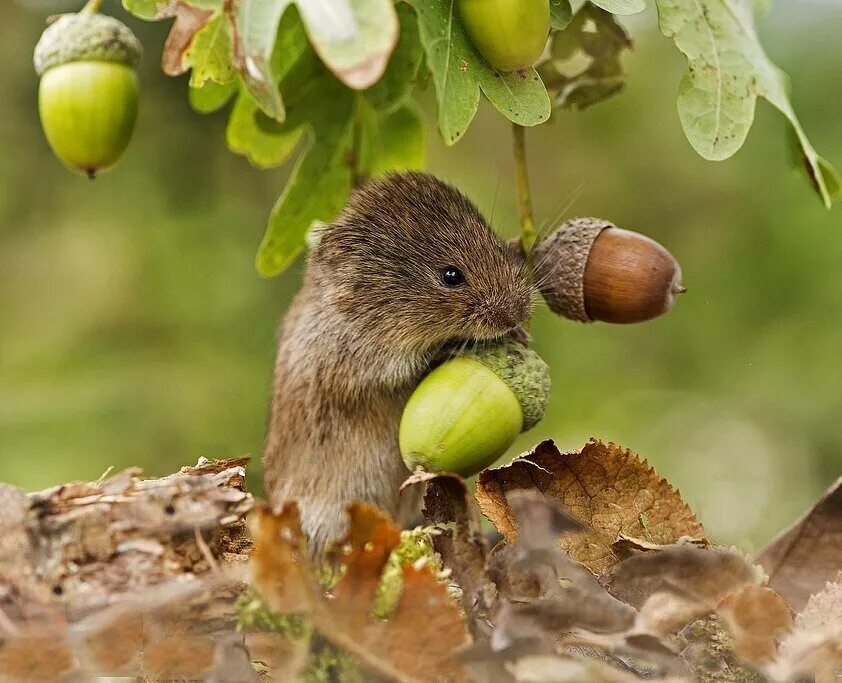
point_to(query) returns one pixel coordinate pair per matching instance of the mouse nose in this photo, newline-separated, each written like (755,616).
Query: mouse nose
(510,316)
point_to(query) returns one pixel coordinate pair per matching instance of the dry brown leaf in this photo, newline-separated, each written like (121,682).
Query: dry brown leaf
(757,617)
(189,20)
(172,650)
(461,544)
(286,658)
(606,487)
(37,655)
(705,576)
(281,567)
(418,643)
(801,559)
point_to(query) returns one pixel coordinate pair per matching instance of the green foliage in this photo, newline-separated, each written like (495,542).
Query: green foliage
(621,6)
(727,69)
(209,54)
(596,34)
(340,75)
(560,13)
(459,73)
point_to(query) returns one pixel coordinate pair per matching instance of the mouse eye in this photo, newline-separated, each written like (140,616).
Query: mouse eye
(451,276)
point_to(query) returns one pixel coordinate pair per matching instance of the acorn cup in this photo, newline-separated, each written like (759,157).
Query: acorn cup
(469,410)
(510,34)
(589,269)
(88,95)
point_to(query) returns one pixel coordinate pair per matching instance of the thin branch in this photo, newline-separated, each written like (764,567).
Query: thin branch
(524,196)
(92,6)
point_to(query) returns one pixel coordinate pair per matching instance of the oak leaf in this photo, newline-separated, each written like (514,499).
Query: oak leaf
(421,639)
(801,559)
(461,544)
(606,487)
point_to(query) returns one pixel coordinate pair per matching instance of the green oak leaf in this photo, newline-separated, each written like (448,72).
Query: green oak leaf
(621,6)
(264,141)
(323,108)
(155,10)
(264,46)
(211,96)
(354,38)
(560,13)
(460,73)
(391,141)
(317,190)
(596,35)
(210,53)
(401,73)
(727,70)
(144,9)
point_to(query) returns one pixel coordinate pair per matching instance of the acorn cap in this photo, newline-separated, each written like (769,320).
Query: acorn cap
(560,261)
(86,37)
(522,370)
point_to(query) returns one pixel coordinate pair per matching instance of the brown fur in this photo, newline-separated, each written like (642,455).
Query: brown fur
(371,317)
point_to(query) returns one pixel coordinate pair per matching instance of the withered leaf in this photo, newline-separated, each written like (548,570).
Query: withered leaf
(189,20)
(757,617)
(36,655)
(281,567)
(705,576)
(608,488)
(425,616)
(801,559)
(461,545)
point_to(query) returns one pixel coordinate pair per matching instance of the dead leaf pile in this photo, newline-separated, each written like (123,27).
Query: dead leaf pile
(603,573)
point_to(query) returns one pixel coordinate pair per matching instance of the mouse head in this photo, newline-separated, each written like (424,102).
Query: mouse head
(412,260)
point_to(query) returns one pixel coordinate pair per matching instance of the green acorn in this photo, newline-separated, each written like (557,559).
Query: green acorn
(510,34)
(468,411)
(88,96)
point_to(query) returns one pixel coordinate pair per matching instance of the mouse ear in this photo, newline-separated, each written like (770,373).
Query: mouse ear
(314,234)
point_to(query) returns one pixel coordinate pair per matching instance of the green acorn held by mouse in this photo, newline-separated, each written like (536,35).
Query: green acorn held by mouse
(468,411)
(88,96)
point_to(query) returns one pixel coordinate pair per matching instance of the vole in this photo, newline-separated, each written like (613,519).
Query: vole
(409,267)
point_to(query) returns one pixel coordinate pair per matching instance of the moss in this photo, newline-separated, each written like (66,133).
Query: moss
(416,546)
(329,666)
(253,614)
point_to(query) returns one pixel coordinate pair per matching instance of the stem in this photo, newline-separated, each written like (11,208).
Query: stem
(92,6)
(524,196)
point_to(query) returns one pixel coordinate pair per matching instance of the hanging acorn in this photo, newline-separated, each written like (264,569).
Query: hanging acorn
(589,269)
(88,95)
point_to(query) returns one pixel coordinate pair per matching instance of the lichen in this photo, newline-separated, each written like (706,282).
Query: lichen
(416,546)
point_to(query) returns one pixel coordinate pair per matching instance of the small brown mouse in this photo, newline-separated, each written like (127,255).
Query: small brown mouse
(409,267)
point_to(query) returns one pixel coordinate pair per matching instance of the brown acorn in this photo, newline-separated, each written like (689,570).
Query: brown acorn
(589,269)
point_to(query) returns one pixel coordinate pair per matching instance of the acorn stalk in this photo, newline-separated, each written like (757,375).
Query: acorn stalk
(88,95)
(468,411)
(589,269)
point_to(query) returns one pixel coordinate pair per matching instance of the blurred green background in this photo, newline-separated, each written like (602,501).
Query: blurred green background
(134,329)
